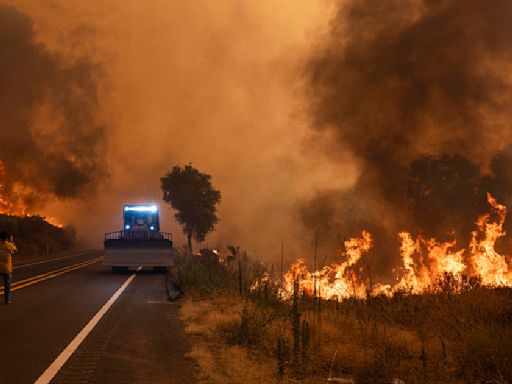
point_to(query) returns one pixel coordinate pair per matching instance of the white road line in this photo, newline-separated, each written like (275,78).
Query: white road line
(58,258)
(59,362)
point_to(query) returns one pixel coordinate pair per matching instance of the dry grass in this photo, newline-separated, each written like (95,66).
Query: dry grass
(443,338)
(220,362)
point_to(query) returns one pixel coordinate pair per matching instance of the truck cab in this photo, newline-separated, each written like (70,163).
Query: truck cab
(141,218)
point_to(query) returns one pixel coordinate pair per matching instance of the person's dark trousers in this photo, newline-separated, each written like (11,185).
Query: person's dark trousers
(7,287)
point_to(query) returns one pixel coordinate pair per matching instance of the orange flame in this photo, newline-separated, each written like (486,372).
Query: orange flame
(489,264)
(425,263)
(7,207)
(53,221)
(337,281)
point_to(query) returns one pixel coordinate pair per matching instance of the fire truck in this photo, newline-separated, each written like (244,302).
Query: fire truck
(140,242)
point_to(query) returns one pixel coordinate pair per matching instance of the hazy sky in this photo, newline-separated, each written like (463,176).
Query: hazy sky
(214,83)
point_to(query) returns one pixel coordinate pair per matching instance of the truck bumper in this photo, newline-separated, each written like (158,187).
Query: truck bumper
(135,253)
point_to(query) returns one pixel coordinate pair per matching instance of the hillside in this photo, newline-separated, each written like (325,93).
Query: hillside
(35,237)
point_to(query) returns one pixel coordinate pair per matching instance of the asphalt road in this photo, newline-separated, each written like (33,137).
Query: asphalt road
(139,339)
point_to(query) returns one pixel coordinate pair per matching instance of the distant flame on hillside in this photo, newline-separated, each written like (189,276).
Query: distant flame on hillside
(53,221)
(427,265)
(8,207)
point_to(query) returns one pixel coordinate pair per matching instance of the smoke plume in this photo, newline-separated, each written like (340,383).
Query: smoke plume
(212,83)
(50,140)
(409,100)
(418,93)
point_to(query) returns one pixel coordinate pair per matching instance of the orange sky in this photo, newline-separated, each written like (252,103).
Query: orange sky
(214,83)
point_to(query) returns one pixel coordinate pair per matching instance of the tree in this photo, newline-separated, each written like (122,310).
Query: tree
(446,195)
(192,195)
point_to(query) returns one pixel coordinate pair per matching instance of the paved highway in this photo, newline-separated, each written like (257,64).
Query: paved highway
(72,321)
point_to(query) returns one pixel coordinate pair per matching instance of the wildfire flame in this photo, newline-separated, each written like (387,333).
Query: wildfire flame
(489,264)
(7,207)
(425,263)
(53,221)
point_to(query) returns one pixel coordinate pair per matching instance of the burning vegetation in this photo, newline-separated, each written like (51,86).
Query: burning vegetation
(416,95)
(427,265)
(290,333)
(35,236)
(18,207)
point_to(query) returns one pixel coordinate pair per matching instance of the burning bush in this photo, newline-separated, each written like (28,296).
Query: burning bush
(452,331)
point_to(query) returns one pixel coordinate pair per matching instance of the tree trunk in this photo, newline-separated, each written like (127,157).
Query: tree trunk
(189,238)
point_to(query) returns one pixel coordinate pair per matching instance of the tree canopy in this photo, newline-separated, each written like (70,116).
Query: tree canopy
(446,195)
(192,195)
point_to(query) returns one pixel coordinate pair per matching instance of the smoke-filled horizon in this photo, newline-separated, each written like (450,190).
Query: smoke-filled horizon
(50,141)
(418,94)
(315,121)
(215,84)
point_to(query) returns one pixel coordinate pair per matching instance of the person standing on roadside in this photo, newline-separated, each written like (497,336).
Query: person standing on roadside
(7,249)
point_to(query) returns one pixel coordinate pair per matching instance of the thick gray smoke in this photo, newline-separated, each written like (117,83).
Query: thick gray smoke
(50,143)
(419,93)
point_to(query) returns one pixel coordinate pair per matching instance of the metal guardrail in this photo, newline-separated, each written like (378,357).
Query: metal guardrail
(138,235)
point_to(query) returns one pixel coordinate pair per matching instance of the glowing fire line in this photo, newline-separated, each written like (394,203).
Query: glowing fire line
(7,207)
(426,263)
